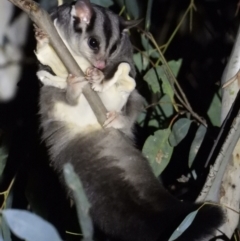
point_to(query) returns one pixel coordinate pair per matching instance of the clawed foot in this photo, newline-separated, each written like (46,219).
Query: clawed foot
(41,36)
(50,80)
(95,78)
(75,85)
(115,120)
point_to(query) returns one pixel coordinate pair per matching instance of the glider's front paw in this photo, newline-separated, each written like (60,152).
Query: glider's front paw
(40,36)
(51,80)
(115,120)
(75,84)
(95,78)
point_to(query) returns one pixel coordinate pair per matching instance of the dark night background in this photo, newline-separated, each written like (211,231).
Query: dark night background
(204,52)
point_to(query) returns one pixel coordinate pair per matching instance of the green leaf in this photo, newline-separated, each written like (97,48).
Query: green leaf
(104,3)
(150,51)
(133,8)
(152,80)
(137,58)
(158,151)
(166,106)
(3,158)
(153,123)
(29,226)
(74,183)
(5,230)
(140,61)
(179,131)
(1,238)
(196,144)
(141,118)
(175,66)
(145,61)
(145,42)
(183,226)
(148,15)
(167,88)
(214,111)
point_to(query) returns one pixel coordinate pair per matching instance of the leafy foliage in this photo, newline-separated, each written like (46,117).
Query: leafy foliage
(214,111)
(179,131)
(29,226)
(196,144)
(167,123)
(184,225)
(104,3)
(158,151)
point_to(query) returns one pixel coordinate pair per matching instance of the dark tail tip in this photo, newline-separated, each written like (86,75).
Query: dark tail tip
(208,219)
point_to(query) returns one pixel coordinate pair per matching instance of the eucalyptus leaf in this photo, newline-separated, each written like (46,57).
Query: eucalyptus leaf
(145,42)
(137,58)
(150,51)
(29,226)
(175,66)
(196,144)
(166,106)
(214,111)
(183,226)
(158,151)
(1,238)
(5,230)
(154,123)
(141,118)
(3,158)
(167,88)
(179,131)
(152,80)
(74,183)
(148,15)
(145,61)
(140,61)
(103,3)
(4,227)
(133,8)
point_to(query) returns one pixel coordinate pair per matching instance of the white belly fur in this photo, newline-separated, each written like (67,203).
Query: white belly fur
(80,118)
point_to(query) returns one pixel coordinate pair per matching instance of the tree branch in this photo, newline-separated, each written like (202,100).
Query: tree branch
(43,20)
(223,180)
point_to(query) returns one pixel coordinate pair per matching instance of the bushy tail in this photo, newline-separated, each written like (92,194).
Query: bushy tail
(206,222)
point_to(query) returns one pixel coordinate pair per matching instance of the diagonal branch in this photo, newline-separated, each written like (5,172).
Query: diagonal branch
(43,20)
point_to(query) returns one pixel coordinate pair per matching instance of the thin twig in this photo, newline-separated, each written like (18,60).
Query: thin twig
(6,193)
(159,103)
(148,15)
(43,20)
(145,55)
(172,80)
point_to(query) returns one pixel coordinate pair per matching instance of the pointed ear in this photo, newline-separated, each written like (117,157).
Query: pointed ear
(84,10)
(131,23)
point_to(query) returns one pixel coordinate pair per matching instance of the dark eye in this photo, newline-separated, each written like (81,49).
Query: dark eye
(93,43)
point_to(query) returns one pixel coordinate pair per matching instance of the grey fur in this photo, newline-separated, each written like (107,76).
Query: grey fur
(128,203)
(118,35)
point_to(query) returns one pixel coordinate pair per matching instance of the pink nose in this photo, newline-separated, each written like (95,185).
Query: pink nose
(100,64)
